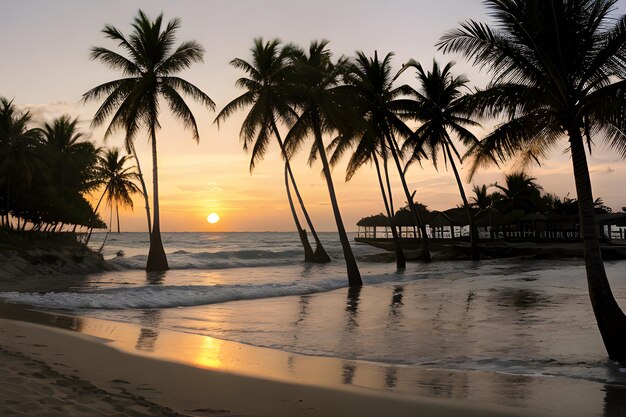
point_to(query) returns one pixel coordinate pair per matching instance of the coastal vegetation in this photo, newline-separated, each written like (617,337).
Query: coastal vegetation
(45,174)
(149,71)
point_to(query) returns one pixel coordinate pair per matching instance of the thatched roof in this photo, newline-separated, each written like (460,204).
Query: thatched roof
(404,217)
(374,221)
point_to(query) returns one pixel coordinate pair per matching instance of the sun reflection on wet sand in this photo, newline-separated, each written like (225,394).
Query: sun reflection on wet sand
(209,354)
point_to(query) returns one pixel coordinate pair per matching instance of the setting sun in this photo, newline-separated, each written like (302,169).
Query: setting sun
(213,218)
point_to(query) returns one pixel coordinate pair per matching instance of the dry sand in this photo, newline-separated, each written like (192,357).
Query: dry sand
(32,388)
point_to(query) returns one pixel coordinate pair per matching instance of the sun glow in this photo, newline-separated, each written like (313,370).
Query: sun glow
(213,218)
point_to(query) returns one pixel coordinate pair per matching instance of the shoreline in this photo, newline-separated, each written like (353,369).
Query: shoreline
(187,372)
(196,391)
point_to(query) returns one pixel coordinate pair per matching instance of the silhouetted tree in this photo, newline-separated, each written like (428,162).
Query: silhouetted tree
(440,106)
(375,98)
(323,109)
(267,77)
(118,180)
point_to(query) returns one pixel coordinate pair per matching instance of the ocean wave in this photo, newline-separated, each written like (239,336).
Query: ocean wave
(182,259)
(165,296)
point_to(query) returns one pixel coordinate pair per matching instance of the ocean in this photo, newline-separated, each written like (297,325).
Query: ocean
(514,316)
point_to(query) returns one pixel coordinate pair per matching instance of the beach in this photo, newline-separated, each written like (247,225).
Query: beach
(251,332)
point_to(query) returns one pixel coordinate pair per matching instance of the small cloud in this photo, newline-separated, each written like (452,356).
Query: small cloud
(42,113)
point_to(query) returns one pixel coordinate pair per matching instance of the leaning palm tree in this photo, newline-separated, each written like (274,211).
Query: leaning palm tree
(379,106)
(439,105)
(376,99)
(118,181)
(149,70)
(267,76)
(323,108)
(558,72)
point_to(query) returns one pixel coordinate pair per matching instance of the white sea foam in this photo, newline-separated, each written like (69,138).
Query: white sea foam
(165,296)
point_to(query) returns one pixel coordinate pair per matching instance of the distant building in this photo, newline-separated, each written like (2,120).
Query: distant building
(453,224)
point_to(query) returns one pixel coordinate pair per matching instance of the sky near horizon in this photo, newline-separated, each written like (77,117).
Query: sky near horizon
(46,68)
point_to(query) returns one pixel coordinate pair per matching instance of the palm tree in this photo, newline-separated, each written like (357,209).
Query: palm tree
(149,76)
(481,200)
(376,99)
(558,72)
(118,181)
(323,107)
(20,156)
(440,108)
(267,75)
(521,192)
(68,153)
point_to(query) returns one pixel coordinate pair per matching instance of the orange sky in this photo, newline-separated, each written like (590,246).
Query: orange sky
(46,68)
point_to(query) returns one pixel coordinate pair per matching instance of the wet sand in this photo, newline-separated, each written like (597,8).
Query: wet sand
(100,371)
(113,378)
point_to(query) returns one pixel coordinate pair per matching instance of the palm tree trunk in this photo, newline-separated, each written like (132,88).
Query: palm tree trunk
(610,318)
(157,261)
(117,213)
(320,255)
(8,199)
(400,258)
(354,276)
(389,193)
(425,251)
(308,251)
(96,211)
(470,217)
(143,187)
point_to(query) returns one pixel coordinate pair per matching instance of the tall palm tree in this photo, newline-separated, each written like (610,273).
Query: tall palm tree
(20,156)
(118,181)
(267,76)
(440,108)
(558,72)
(323,107)
(149,70)
(376,99)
